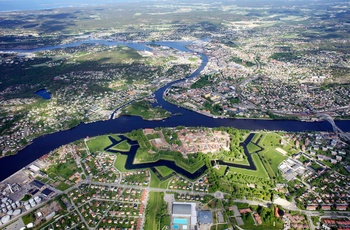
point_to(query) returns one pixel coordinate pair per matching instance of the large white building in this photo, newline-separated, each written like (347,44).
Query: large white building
(184,216)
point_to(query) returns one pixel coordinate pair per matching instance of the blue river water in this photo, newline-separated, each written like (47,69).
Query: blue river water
(46,143)
(44,94)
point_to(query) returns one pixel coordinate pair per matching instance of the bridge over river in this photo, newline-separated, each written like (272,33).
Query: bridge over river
(336,129)
(44,144)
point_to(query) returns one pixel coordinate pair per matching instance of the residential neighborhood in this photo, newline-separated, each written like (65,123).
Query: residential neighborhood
(79,187)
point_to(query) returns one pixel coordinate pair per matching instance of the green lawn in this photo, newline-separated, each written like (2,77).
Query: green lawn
(252,148)
(219,227)
(221,171)
(164,171)
(241,205)
(201,82)
(315,219)
(259,166)
(26,197)
(165,221)
(123,146)
(264,226)
(315,166)
(260,172)
(242,161)
(145,157)
(29,218)
(63,186)
(42,179)
(120,162)
(268,168)
(116,56)
(248,222)
(146,111)
(274,158)
(154,210)
(64,170)
(328,163)
(99,143)
(225,185)
(303,159)
(190,168)
(256,137)
(157,183)
(272,141)
(269,142)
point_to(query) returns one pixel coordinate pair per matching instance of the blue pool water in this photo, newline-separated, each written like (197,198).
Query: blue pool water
(176,226)
(180,221)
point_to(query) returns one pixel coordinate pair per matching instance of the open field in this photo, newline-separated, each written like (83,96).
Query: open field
(114,56)
(120,162)
(272,141)
(252,148)
(64,170)
(123,146)
(219,227)
(154,210)
(221,170)
(260,172)
(63,186)
(248,221)
(144,157)
(28,218)
(157,183)
(241,161)
(256,137)
(268,168)
(101,142)
(249,224)
(274,158)
(270,156)
(164,171)
(281,151)
(59,173)
(190,168)
(145,110)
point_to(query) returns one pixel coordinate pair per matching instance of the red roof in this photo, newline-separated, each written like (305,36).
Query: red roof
(257,218)
(245,210)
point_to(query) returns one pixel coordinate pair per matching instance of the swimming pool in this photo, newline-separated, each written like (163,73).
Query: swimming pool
(180,221)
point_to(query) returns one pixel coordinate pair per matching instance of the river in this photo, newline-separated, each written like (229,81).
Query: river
(49,142)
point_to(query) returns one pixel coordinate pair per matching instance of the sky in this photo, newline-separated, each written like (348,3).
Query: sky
(14,5)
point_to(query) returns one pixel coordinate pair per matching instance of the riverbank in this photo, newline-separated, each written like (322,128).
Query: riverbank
(144,109)
(46,143)
(296,117)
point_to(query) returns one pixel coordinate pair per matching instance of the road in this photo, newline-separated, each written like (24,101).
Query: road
(309,214)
